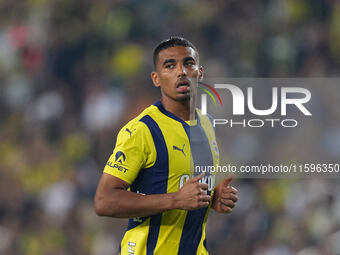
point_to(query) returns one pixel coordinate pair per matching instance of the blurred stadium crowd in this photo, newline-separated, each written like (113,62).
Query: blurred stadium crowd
(73,72)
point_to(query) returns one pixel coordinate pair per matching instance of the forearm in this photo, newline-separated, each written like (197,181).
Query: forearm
(114,200)
(125,204)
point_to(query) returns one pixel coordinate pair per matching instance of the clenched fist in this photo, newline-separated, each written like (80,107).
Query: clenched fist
(193,194)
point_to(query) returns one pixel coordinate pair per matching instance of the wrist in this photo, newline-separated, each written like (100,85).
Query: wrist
(173,201)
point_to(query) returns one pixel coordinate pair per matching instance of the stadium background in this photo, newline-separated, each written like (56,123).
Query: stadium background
(73,72)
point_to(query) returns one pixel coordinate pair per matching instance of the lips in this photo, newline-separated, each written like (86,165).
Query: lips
(183,85)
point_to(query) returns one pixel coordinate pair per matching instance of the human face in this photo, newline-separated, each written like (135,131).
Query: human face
(177,72)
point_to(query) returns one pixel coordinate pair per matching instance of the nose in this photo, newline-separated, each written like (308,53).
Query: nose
(182,70)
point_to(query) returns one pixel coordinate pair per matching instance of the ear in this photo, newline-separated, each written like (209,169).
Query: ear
(155,79)
(200,76)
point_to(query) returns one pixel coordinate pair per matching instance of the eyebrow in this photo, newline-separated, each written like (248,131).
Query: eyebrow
(189,58)
(170,60)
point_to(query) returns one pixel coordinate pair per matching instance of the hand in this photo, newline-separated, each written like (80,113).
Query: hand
(225,196)
(193,195)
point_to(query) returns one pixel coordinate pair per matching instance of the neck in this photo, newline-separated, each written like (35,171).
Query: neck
(180,109)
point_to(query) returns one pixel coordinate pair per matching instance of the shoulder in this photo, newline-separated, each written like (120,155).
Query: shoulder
(139,121)
(137,127)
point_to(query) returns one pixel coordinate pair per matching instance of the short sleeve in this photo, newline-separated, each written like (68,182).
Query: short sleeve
(134,151)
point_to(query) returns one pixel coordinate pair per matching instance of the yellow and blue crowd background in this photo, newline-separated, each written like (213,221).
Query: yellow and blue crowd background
(72,73)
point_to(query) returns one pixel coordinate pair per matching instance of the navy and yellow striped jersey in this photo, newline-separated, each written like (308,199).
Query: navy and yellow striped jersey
(156,153)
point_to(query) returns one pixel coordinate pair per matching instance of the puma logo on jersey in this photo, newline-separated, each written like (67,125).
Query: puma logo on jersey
(129,131)
(179,149)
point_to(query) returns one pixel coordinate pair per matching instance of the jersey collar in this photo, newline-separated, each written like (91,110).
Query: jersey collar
(161,108)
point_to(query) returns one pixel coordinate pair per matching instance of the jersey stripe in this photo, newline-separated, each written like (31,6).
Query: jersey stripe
(192,230)
(160,172)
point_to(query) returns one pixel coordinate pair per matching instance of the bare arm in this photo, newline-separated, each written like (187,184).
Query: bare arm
(113,199)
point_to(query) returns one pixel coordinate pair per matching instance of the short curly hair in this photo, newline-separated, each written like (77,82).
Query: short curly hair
(171,42)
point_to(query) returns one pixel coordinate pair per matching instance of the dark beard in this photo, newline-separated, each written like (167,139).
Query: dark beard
(183,98)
